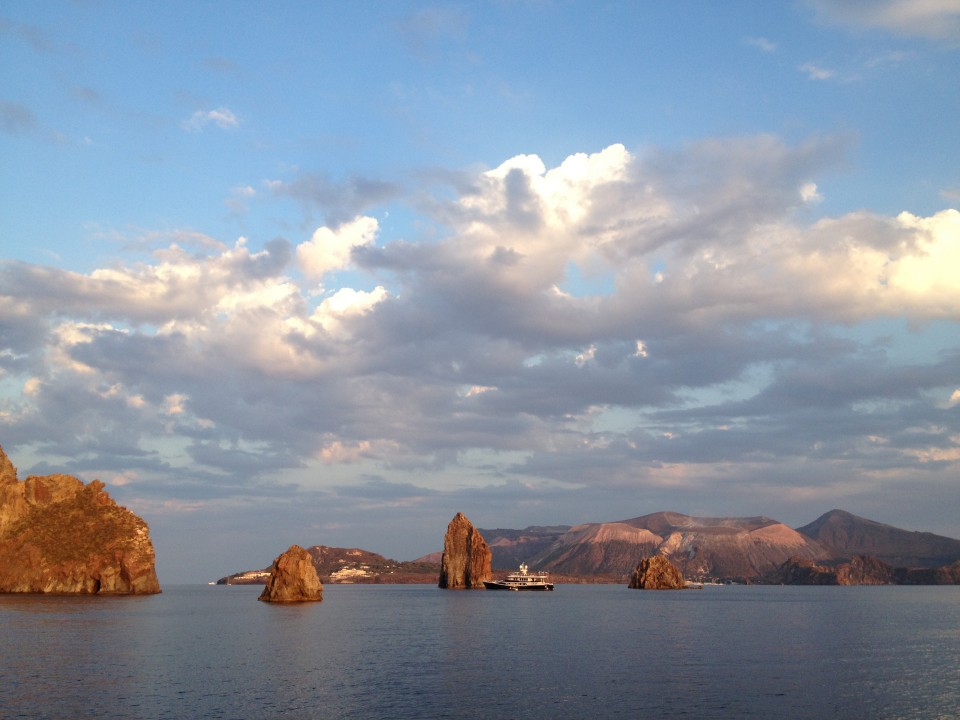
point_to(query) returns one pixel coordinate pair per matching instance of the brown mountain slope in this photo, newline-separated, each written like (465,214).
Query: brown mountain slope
(598,548)
(844,535)
(720,547)
(512,547)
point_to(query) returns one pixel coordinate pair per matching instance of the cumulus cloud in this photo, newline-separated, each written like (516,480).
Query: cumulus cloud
(719,347)
(330,250)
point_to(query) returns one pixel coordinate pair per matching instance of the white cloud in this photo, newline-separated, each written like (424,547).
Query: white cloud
(586,356)
(329,249)
(459,349)
(336,452)
(761,43)
(809,193)
(815,72)
(174,404)
(927,269)
(222,117)
(346,303)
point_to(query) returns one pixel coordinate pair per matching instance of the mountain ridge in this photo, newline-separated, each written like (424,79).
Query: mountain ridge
(848,535)
(741,548)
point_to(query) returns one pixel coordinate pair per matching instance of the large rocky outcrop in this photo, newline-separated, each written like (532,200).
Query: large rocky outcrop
(945,575)
(466,556)
(864,570)
(657,573)
(860,570)
(58,535)
(293,578)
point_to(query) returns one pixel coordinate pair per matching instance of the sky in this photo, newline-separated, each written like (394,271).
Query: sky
(329,273)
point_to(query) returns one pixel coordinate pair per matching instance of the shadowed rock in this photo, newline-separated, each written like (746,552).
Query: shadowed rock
(657,573)
(58,535)
(466,556)
(293,578)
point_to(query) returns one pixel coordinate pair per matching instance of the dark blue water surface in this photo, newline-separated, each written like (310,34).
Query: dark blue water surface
(413,651)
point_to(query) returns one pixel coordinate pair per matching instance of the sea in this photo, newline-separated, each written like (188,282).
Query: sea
(415,651)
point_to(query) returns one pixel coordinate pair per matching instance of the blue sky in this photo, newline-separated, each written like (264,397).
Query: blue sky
(329,273)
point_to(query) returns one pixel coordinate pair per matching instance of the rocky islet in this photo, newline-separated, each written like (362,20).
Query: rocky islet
(656,573)
(466,560)
(59,535)
(293,578)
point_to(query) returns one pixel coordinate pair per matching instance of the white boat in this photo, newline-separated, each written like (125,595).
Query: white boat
(522,580)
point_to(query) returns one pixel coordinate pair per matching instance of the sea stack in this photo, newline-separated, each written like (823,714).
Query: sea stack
(293,578)
(58,535)
(657,573)
(466,556)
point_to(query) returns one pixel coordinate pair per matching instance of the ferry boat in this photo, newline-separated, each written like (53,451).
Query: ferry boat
(522,580)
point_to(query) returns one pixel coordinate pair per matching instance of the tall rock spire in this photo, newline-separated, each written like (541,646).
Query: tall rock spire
(466,556)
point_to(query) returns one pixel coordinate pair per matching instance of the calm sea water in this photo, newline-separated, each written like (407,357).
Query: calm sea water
(416,651)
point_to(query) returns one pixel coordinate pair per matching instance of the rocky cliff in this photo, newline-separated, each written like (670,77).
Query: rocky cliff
(293,578)
(466,556)
(58,535)
(657,573)
(859,570)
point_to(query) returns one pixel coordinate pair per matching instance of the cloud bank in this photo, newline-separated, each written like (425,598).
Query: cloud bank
(625,322)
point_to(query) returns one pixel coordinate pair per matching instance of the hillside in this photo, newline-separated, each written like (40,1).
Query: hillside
(350,565)
(844,535)
(700,547)
(512,547)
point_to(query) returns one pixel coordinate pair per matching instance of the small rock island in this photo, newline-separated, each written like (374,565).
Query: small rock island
(58,535)
(466,557)
(293,578)
(657,573)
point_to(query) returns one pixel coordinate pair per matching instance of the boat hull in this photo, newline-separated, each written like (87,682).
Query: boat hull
(494,585)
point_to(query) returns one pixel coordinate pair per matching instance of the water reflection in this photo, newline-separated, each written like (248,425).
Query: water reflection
(417,651)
